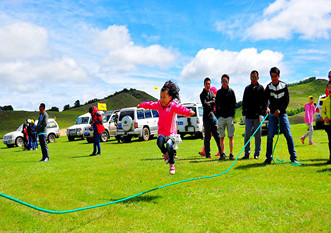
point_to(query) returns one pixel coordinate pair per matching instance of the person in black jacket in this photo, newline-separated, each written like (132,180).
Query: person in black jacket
(253,110)
(42,133)
(225,111)
(207,99)
(277,94)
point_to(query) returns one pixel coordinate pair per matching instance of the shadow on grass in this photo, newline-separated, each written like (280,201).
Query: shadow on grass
(145,198)
(180,158)
(324,170)
(253,165)
(80,157)
(205,161)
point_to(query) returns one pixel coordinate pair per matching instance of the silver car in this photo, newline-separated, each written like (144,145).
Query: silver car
(16,137)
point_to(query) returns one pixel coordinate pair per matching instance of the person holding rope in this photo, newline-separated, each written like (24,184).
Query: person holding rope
(253,110)
(277,94)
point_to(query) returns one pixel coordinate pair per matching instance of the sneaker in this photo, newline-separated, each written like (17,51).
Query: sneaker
(202,153)
(93,154)
(172,169)
(208,157)
(166,157)
(245,157)
(42,160)
(231,157)
(294,161)
(312,144)
(256,156)
(222,156)
(218,154)
(46,160)
(267,161)
(302,140)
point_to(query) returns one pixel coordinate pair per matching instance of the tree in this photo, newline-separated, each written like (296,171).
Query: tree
(54,109)
(7,108)
(77,104)
(66,107)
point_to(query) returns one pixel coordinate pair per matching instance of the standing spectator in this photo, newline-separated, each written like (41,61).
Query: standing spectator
(277,93)
(225,111)
(207,99)
(98,128)
(25,135)
(309,119)
(326,115)
(253,110)
(42,134)
(33,135)
(326,90)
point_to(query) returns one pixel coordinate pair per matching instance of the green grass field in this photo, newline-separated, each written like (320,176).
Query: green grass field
(249,198)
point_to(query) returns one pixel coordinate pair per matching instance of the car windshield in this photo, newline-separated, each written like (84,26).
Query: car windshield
(20,128)
(81,120)
(105,118)
(193,108)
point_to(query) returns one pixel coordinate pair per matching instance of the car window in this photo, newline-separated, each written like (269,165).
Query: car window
(82,120)
(140,114)
(105,118)
(51,124)
(148,114)
(155,113)
(200,109)
(193,108)
(113,118)
(126,113)
(20,128)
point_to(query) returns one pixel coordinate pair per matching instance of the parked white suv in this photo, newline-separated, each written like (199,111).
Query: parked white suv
(318,117)
(109,122)
(137,122)
(77,129)
(191,125)
(16,137)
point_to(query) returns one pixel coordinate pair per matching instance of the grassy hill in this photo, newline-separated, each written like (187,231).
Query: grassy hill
(11,120)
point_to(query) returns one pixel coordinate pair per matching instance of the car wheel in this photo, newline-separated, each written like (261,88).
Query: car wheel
(51,138)
(104,136)
(71,139)
(145,134)
(19,141)
(10,146)
(89,140)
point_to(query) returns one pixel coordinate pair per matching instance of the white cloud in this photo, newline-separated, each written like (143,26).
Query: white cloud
(310,19)
(213,63)
(124,56)
(23,40)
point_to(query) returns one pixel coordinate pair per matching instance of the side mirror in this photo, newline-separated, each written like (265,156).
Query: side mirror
(315,104)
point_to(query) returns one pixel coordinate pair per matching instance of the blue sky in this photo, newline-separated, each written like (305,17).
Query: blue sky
(60,51)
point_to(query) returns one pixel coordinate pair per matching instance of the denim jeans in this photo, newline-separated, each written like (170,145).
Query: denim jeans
(161,140)
(250,127)
(285,129)
(96,141)
(210,126)
(43,146)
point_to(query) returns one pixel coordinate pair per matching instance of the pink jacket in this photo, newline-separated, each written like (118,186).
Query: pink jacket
(310,110)
(167,115)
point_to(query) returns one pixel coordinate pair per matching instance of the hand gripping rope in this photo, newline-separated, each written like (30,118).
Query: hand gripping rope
(154,189)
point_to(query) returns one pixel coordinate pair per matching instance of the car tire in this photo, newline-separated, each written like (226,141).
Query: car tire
(104,136)
(126,123)
(89,140)
(51,138)
(145,134)
(71,139)
(19,142)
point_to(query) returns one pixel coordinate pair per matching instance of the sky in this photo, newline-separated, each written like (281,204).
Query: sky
(58,52)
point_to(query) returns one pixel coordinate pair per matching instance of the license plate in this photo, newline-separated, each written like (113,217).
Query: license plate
(180,123)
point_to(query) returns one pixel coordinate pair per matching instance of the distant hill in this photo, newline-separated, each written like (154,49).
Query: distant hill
(11,120)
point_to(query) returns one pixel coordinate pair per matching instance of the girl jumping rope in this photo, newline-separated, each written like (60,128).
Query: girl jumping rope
(168,108)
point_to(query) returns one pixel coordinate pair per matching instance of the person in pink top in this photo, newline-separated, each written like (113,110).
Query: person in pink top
(168,108)
(309,119)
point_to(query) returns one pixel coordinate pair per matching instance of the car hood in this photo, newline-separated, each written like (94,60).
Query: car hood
(80,126)
(14,134)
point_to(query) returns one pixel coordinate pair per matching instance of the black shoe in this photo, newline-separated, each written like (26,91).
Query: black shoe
(328,162)
(245,157)
(294,161)
(222,156)
(208,157)
(93,154)
(267,161)
(98,153)
(231,157)
(256,156)
(42,160)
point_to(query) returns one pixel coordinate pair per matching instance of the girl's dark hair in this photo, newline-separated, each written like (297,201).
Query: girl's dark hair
(173,90)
